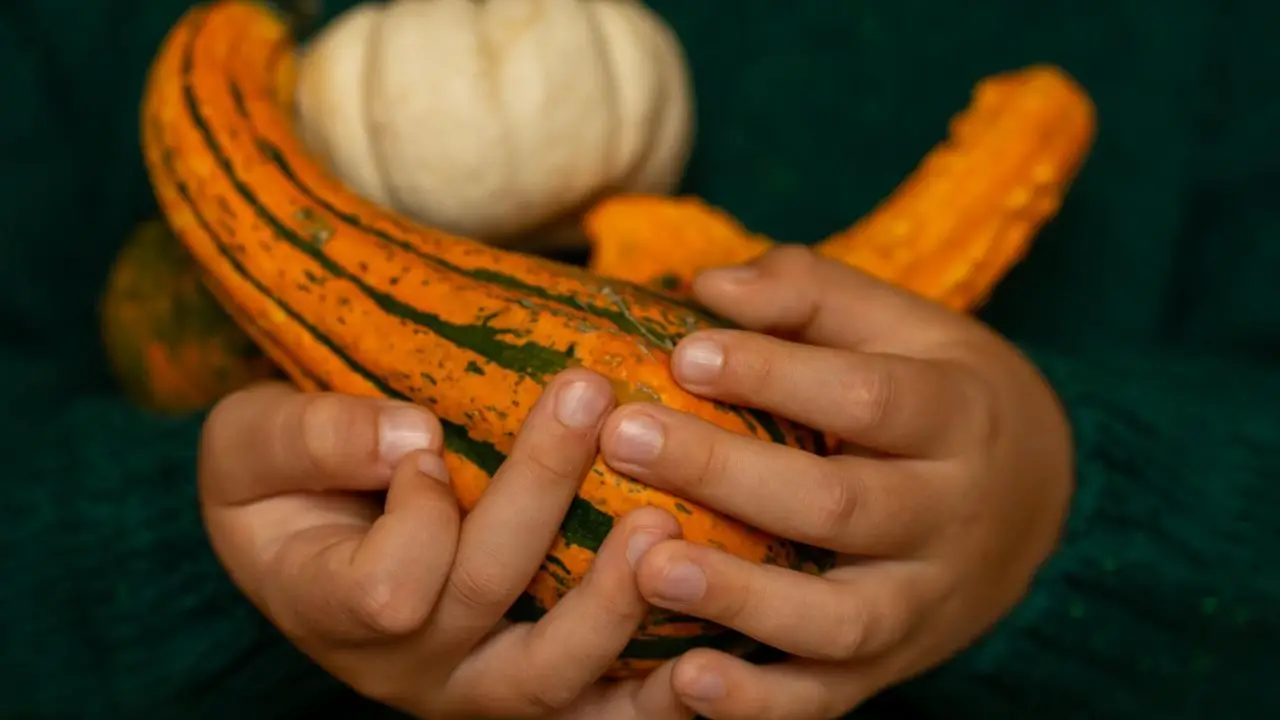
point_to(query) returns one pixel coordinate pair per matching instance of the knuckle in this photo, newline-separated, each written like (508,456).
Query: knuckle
(870,391)
(846,636)
(835,506)
(734,608)
(477,589)
(239,419)
(334,434)
(544,464)
(617,601)
(714,464)
(377,606)
(749,364)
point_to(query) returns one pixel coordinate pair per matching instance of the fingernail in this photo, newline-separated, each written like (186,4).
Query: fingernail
(698,361)
(579,405)
(704,686)
(402,430)
(638,439)
(641,543)
(433,467)
(683,582)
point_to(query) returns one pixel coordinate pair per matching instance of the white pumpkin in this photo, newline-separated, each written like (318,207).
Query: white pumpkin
(493,118)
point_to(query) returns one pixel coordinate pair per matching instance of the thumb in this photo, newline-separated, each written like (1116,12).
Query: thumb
(271,439)
(792,291)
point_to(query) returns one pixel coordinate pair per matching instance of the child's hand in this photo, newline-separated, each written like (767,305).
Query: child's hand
(951,490)
(406,606)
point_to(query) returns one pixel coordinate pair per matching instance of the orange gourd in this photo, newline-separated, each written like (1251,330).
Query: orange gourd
(950,232)
(347,296)
(171,346)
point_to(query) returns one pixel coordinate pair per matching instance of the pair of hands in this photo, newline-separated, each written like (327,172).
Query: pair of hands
(950,490)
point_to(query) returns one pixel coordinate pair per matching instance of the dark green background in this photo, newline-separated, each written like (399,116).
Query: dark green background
(1151,305)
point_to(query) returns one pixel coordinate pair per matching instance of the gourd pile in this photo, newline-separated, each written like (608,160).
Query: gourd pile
(318,257)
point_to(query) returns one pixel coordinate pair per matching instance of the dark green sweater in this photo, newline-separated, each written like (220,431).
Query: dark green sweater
(1153,305)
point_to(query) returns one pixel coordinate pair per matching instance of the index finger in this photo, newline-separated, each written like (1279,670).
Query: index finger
(337,568)
(793,291)
(506,537)
(536,668)
(890,403)
(272,439)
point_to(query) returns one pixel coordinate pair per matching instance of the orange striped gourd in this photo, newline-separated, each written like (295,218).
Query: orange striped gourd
(346,296)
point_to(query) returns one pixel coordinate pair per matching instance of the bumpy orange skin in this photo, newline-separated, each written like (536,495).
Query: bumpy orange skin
(172,348)
(345,295)
(950,232)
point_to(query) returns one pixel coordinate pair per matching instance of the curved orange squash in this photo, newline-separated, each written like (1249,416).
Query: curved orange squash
(949,232)
(346,296)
